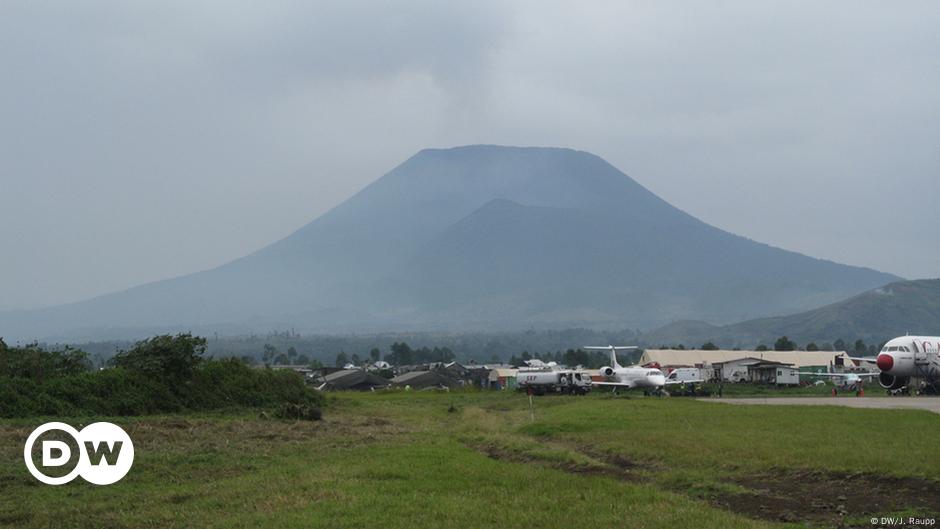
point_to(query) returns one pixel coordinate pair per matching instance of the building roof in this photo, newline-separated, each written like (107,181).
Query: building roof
(339,375)
(756,362)
(698,357)
(770,364)
(423,379)
(349,378)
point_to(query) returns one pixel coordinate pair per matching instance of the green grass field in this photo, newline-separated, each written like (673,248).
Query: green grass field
(483,459)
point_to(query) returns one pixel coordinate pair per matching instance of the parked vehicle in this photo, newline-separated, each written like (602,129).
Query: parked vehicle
(565,381)
(682,375)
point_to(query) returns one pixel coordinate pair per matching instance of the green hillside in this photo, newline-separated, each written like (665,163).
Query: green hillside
(874,316)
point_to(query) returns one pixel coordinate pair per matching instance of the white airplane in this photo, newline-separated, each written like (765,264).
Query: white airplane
(908,357)
(628,377)
(845,381)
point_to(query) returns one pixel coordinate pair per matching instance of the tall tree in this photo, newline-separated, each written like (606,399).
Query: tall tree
(341,359)
(269,353)
(860,347)
(784,344)
(401,354)
(170,357)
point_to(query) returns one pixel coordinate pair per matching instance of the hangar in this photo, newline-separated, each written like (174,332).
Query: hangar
(670,358)
(729,365)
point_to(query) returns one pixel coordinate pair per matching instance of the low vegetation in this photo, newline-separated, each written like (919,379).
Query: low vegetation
(398,459)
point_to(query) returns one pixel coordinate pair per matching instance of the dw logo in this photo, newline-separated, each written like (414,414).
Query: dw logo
(104,451)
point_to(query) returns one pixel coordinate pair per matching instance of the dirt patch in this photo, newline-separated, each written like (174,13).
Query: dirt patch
(615,460)
(814,498)
(623,472)
(828,498)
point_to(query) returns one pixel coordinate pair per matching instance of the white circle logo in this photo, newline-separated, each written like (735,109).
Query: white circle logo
(105,453)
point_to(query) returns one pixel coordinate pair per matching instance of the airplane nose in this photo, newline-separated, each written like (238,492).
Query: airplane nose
(658,380)
(885,362)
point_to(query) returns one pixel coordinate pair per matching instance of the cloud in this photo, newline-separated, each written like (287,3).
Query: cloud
(140,141)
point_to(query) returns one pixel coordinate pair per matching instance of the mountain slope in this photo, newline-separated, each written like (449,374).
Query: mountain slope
(480,236)
(874,316)
(508,260)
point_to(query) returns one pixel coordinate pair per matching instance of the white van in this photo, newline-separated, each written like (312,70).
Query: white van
(685,374)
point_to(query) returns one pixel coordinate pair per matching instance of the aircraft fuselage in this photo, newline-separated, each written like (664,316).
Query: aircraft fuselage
(909,356)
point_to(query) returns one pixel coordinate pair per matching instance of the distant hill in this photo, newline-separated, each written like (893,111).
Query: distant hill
(478,237)
(874,316)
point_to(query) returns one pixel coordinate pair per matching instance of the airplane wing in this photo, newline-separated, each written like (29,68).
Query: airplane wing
(608,348)
(673,382)
(625,385)
(863,359)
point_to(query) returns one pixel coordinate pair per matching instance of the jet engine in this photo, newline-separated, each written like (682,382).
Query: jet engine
(607,371)
(892,381)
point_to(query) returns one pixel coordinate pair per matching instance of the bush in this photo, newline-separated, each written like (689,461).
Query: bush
(33,361)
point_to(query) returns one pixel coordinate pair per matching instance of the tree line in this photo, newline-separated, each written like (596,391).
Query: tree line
(786,344)
(157,375)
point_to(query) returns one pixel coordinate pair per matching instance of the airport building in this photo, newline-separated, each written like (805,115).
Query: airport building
(503,378)
(734,366)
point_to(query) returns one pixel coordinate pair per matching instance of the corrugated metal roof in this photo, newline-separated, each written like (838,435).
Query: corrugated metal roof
(692,357)
(332,377)
(353,377)
(411,375)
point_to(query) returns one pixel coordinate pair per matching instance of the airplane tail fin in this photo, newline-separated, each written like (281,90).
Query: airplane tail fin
(613,352)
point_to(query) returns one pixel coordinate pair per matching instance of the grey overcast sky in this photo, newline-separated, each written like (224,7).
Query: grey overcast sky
(145,140)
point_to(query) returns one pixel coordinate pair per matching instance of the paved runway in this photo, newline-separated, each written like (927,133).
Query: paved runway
(914,403)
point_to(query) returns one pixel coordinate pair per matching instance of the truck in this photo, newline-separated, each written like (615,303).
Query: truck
(562,381)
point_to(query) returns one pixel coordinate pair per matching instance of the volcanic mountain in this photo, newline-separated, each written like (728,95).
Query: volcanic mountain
(478,237)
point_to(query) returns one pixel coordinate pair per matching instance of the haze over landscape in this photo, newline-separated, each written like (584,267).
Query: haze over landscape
(482,238)
(184,142)
(146,143)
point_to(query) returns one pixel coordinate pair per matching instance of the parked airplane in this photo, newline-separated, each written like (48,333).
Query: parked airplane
(908,357)
(846,381)
(628,377)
